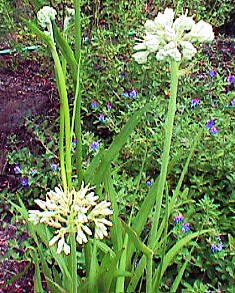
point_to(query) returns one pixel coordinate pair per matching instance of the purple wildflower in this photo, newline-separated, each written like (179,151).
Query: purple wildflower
(195,102)
(212,73)
(17,169)
(25,181)
(214,130)
(149,182)
(123,74)
(231,79)
(133,94)
(231,104)
(109,106)
(102,118)
(94,104)
(186,227)
(125,94)
(217,247)
(179,219)
(211,123)
(95,146)
(54,167)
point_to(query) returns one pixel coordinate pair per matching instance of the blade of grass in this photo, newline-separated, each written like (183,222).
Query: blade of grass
(117,144)
(174,251)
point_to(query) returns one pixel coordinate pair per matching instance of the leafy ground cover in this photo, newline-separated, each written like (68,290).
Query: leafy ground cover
(113,87)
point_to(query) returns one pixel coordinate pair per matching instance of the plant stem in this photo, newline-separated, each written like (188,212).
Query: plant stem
(65,106)
(73,263)
(78,98)
(61,149)
(122,267)
(166,150)
(149,274)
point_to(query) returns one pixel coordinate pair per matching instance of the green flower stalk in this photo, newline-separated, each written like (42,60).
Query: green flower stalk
(171,41)
(45,17)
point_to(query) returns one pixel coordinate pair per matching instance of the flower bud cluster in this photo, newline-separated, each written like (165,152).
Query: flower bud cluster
(46,15)
(172,39)
(72,212)
(70,13)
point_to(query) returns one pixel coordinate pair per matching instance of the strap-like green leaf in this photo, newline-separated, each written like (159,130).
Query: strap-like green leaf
(117,144)
(174,251)
(137,275)
(178,278)
(136,240)
(92,288)
(66,51)
(34,28)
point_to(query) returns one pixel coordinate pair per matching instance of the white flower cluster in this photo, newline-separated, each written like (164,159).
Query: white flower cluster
(70,12)
(72,212)
(169,38)
(46,15)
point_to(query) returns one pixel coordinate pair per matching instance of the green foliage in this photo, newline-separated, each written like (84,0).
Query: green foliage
(205,195)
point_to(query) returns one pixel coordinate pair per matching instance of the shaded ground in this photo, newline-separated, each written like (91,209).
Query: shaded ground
(27,88)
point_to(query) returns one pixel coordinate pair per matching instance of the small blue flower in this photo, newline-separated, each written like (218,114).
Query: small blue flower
(102,118)
(17,169)
(94,104)
(75,142)
(133,94)
(86,39)
(54,167)
(24,181)
(211,123)
(96,145)
(214,130)
(195,102)
(125,94)
(212,73)
(149,182)
(217,247)
(123,74)
(179,219)
(233,103)
(109,106)
(186,227)
(231,79)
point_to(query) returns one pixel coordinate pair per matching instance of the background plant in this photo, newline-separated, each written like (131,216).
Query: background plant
(186,114)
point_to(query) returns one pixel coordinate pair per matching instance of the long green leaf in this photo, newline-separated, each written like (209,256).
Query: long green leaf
(116,232)
(117,144)
(37,275)
(175,250)
(178,278)
(45,38)
(92,288)
(136,240)
(66,51)
(137,275)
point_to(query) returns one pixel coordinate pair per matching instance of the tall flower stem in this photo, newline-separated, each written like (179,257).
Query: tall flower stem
(166,150)
(78,98)
(149,274)
(65,106)
(73,263)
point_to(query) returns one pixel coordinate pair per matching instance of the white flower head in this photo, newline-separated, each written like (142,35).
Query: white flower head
(72,211)
(201,32)
(141,57)
(70,12)
(46,15)
(172,39)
